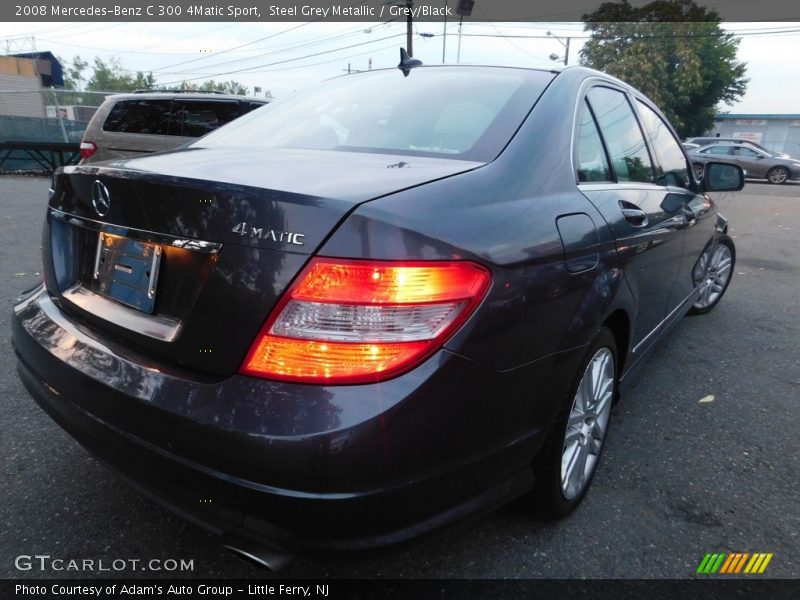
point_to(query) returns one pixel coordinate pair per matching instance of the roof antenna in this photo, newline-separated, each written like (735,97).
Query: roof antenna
(407,63)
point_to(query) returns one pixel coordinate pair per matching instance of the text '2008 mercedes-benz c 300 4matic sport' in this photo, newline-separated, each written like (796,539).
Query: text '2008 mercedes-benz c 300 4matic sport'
(385,303)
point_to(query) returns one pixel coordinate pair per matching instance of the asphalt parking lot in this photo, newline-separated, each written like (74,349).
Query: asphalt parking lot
(679,478)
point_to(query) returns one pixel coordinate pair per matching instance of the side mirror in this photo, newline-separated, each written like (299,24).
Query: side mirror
(722,177)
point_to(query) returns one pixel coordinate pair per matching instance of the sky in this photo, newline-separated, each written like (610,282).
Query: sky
(286,57)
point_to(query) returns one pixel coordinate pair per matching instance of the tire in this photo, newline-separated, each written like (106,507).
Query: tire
(778,175)
(578,434)
(715,278)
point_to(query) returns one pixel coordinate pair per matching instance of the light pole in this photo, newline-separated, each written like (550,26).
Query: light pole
(444,32)
(565,44)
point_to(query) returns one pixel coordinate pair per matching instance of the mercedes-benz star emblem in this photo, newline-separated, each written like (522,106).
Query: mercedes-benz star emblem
(101,199)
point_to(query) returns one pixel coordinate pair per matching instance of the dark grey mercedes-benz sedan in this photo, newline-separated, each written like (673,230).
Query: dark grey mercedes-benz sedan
(385,303)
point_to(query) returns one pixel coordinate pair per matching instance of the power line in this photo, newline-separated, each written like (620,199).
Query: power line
(206,57)
(214,30)
(315,42)
(639,35)
(251,69)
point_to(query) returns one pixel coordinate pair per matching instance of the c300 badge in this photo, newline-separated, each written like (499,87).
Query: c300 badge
(281,237)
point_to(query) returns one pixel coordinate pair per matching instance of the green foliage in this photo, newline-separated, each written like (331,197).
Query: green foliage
(229,87)
(111,77)
(73,72)
(673,51)
(144,82)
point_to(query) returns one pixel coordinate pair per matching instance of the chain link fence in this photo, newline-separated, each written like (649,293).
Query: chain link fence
(45,116)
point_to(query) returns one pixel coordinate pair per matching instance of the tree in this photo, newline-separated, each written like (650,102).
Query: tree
(144,82)
(73,72)
(672,50)
(111,77)
(229,87)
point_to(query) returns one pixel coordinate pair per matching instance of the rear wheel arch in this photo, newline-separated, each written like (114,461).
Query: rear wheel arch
(578,431)
(620,325)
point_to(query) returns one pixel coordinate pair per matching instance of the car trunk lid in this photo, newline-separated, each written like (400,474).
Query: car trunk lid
(215,234)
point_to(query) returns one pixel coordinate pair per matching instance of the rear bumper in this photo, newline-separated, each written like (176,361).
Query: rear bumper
(300,466)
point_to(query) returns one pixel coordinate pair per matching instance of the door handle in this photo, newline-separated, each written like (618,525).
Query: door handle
(633,214)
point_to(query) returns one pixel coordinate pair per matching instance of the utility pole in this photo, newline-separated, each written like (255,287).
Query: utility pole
(464,10)
(566,47)
(409,28)
(20,44)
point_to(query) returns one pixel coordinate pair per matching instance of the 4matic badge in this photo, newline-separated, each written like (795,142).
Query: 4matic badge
(281,237)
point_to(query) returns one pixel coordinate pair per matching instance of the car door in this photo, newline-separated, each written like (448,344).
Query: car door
(751,160)
(673,172)
(616,173)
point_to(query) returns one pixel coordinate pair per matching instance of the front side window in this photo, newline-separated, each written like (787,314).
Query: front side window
(717,150)
(673,170)
(746,152)
(623,137)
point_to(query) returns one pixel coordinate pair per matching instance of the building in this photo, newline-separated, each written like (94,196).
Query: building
(48,67)
(779,133)
(20,88)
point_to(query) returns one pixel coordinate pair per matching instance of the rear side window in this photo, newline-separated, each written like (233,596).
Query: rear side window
(592,159)
(193,118)
(140,116)
(673,169)
(188,118)
(622,135)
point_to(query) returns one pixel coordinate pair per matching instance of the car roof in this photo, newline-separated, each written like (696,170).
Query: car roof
(147,95)
(555,70)
(730,143)
(721,140)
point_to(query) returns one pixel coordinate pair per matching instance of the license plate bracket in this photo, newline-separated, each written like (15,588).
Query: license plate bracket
(126,270)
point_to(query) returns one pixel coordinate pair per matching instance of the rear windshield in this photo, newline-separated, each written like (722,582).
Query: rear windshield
(455,112)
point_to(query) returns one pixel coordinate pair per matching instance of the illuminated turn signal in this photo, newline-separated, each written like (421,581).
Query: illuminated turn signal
(356,321)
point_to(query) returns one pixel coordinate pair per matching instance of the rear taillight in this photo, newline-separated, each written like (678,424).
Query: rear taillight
(358,321)
(87,149)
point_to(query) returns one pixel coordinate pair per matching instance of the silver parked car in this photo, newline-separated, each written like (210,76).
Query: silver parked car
(757,164)
(704,141)
(150,121)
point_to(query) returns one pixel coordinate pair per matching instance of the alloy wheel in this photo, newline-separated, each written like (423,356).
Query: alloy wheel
(587,424)
(778,175)
(715,279)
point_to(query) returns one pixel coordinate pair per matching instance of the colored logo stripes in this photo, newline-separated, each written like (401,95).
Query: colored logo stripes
(734,563)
